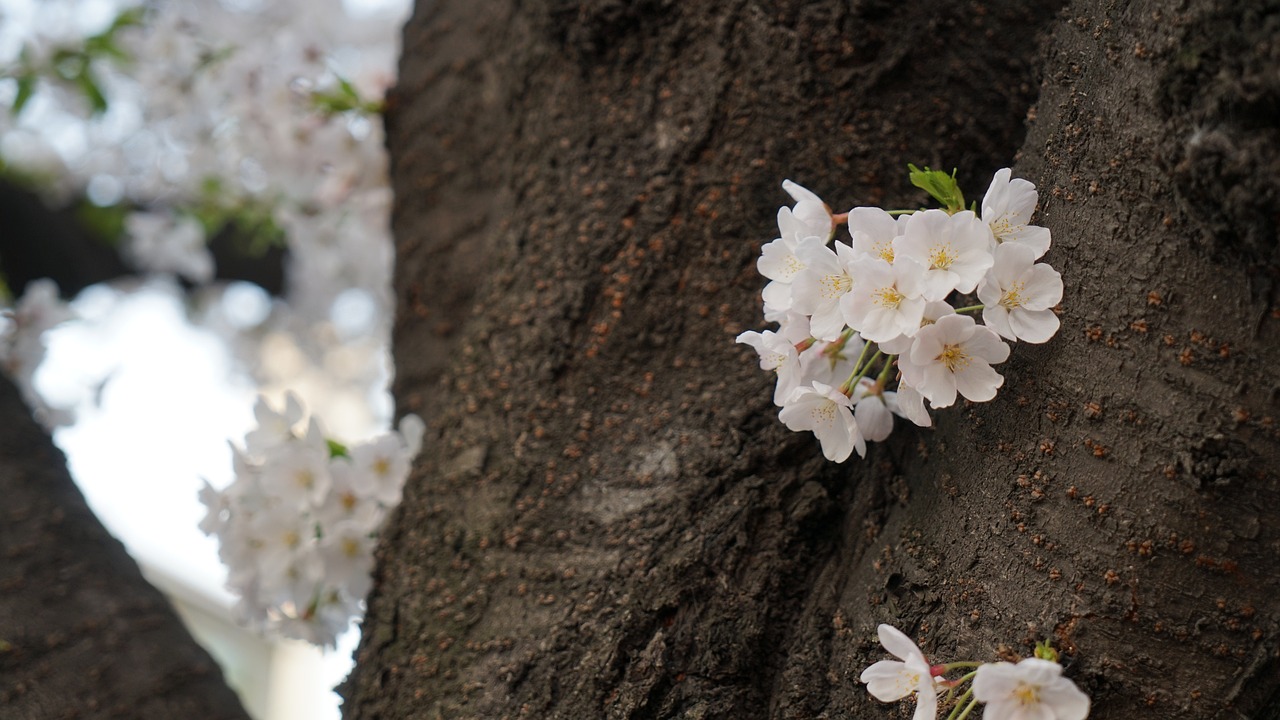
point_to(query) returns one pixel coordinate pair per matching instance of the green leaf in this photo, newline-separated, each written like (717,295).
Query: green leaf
(130,17)
(344,98)
(105,46)
(106,222)
(1045,651)
(69,65)
(941,186)
(26,88)
(104,43)
(91,91)
(337,449)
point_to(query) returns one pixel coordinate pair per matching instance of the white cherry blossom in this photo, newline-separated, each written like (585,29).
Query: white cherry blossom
(275,427)
(296,527)
(909,404)
(885,301)
(1007,209)
(383,460)
(891,680)
(873,410)
(347,550)
(810,211)
(818,289)
(828,413)
(953,355)
(780,263)
(779,355)
(1018,295)
(298,472)
(954,251)
(873,231)
(902,343)
(808,223)
(850,315)
(1033,689)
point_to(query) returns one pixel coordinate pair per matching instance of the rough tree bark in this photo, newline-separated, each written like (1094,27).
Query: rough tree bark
(82,634)
(610,521)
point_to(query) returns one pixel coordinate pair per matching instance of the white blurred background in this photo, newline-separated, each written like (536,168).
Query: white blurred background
(211,115)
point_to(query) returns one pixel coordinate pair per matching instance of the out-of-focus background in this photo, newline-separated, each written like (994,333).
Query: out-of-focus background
(229,153)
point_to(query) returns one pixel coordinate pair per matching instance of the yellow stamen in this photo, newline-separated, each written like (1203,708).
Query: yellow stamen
(834,286)
(954,357)
(1003,227)
(941,257)
(350,547)
(1027,694)
(824,413)
(889,297)
(1012,297)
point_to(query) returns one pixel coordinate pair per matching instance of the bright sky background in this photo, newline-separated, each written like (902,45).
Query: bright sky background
(164,399)
(156,398)
(170,398)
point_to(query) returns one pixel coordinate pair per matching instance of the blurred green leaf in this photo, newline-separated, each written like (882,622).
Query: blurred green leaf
(343,98)
(94,93)
(105,222)
(26,88)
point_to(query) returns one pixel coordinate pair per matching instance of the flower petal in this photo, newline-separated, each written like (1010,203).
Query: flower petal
(897,643)
(1033,326)
(977,381)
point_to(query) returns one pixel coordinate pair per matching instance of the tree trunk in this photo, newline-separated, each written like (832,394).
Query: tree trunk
(82,634)
(610,521)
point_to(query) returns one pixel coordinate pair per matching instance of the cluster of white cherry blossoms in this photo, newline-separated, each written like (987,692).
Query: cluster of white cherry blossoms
(1031,689)
(880,322)
(297,526)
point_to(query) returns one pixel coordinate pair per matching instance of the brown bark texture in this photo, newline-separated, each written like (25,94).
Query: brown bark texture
(82,634)
(610,522)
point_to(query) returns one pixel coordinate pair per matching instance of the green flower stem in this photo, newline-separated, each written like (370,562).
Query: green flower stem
(958,665)
(967,697)
(970,308)
(857,375)
(884,373)
(896,213)
(861,369)
(847,387)
(972,704)
(955,685)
